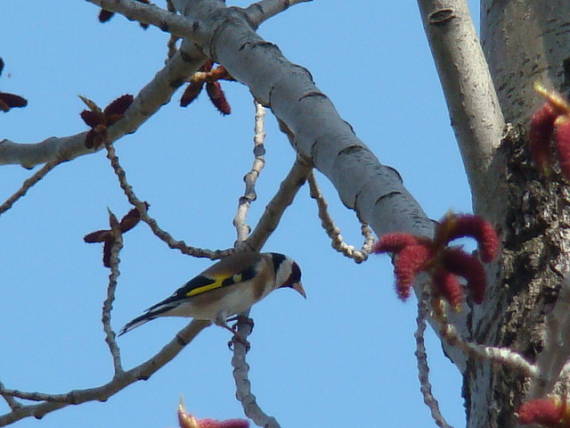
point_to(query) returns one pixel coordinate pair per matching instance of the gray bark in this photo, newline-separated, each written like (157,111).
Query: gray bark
(523,41)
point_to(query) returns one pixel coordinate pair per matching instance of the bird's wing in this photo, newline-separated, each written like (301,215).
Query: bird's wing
(227,272)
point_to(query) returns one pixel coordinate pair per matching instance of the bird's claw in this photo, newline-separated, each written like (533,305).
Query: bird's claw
(238,339)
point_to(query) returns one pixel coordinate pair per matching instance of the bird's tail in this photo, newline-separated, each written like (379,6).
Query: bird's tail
(137,322)
(151,313)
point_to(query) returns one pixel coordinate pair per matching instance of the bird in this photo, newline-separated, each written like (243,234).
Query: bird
(228,287)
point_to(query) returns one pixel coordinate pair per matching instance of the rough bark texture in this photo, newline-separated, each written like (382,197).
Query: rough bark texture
(524,41)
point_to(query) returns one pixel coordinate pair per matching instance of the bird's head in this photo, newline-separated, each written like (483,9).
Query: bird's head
(287,273)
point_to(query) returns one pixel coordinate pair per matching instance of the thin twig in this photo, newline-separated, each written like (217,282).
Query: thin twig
(275,208)
(243,385)
(503,356)
(242,229)
(423,367)
(143,371)
(334,232)
(159,232)
(37,396)
(171,45)
(28,183)
(239,363)
(153,15)
(108,303)
(9,399)
(369,238)
(265,9)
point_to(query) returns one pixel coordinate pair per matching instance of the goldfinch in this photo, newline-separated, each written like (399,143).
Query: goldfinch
(227,288)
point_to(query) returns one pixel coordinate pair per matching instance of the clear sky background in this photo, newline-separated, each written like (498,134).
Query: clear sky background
(345,356)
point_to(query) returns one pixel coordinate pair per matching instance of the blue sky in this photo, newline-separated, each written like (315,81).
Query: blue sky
(343,357)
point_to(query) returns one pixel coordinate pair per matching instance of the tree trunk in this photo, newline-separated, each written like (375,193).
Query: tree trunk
(524,41)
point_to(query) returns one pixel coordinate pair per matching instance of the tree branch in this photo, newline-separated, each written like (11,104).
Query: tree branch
(111,287)
(156,229)
(475,113)
(319,134)
(503,356)
(149,100)
(244,324)
(13,404)
(423,367)
(275,208)
(28,183)
(153,15)
(103,392)
(265,9)
(243,385)
(334,232)
(251,177)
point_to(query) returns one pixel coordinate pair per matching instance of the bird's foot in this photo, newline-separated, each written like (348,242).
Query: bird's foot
(236,337)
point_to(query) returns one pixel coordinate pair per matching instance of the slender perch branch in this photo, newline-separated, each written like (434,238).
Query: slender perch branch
(28,183)
(334,232)
(243,384)
(423,367)
(12,403)
(241,368)
(111,287)
(150,14)
(251,177)
(502,356)
(103,392)
(265,9)
(282,199)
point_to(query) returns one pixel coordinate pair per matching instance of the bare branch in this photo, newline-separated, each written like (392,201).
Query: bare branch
(156,229)
(475,113)
(116,247)
(243,385)
(141,372)
(502,356)
(282,199)
(334,232)
(423,367)
(153,15)
(9,399)
(265,9)
(369,238)
(251,177)
(28,183)
(244,324)
(172,40)
(155,94)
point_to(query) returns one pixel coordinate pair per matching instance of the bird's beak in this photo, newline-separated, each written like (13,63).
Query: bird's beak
(298,287)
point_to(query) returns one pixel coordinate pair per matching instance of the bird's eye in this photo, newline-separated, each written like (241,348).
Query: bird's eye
(295,275)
